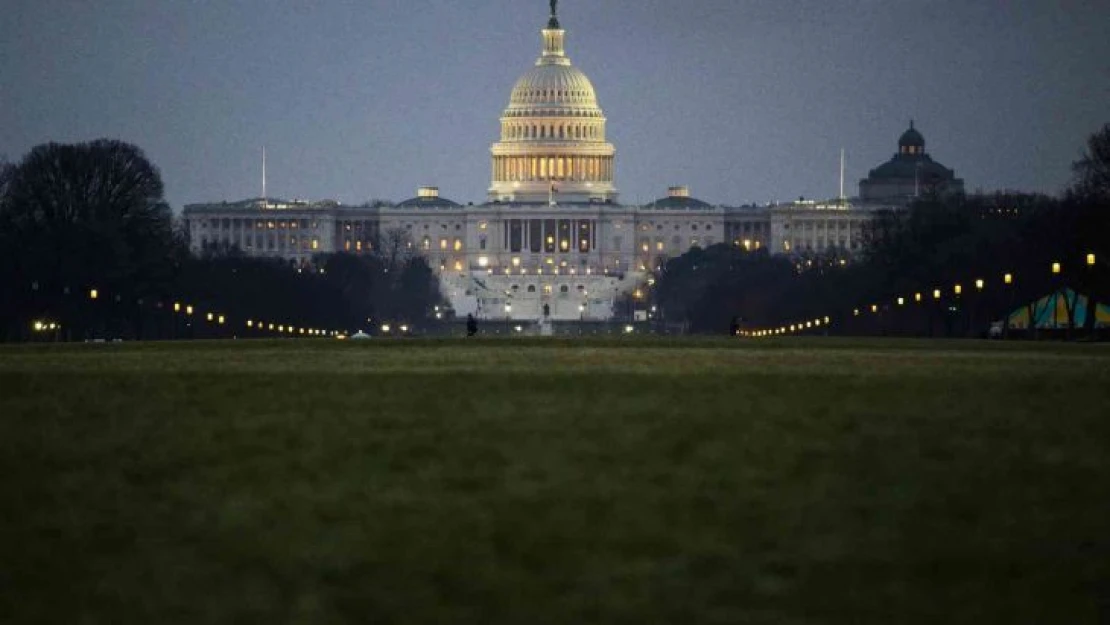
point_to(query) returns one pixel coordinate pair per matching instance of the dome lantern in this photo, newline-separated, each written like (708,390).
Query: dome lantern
(911,142)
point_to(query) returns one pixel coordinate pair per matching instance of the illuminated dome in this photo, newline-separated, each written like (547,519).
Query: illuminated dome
(553,146)
(553,86)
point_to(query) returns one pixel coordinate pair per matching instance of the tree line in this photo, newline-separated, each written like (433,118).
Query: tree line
(939,243)
(88,243)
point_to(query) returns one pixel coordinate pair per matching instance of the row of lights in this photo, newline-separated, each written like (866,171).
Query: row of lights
(43,325)
(957,289)
(219,319)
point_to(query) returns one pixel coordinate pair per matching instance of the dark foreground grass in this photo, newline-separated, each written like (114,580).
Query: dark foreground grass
(533,482)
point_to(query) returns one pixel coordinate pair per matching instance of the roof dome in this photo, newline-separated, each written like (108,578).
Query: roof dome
(553,85)
(911,138)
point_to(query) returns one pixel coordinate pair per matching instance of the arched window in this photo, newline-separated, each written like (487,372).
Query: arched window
(531,288)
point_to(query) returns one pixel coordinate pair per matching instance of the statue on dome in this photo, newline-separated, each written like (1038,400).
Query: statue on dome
(554,8)
(554,21)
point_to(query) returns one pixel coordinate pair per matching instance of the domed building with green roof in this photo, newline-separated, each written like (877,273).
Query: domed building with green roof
(910,173)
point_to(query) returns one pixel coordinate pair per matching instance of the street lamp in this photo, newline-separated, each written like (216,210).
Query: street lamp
(93,294)
(189,310)
(979,284)
(936,293)
(917,297)
(959,289)
(1091,260)
(1056,268)
(1008,278)
(901,301)
(177,306)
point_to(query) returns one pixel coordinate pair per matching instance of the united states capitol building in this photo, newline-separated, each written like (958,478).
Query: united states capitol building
(552,237)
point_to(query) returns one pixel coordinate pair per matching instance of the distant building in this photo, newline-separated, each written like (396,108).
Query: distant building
(910,173)
(552,234)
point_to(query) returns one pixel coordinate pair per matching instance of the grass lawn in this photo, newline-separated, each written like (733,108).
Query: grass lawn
(528,481)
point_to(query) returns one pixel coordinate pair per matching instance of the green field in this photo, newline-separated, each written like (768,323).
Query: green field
(527,481)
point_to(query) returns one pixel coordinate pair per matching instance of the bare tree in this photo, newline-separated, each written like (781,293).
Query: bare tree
(1092,171)
(395,249)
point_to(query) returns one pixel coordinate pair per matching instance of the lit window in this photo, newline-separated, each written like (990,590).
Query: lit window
(443,244)
(315,244)
(458,245)
(483,261)
(458,265)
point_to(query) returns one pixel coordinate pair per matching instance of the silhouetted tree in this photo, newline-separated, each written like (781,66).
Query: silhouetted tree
(1092,171)
(87,215)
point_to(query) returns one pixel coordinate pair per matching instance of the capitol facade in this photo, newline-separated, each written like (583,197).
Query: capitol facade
(551,241)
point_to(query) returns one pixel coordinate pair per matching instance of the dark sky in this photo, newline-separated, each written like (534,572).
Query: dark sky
(743,100)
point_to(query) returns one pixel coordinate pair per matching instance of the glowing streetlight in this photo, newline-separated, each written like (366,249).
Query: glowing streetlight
(901,301)
(38,326)
(250,323)
(874,308)
(220,320)
(1091,260)
(93,294)
(828,320)
(189,310)
(1008,278)
(855,312)
(177,306)
(1057,268)
(385,328)
(210,317)
(958,290)
(936,293)
(917,297)
(979,284)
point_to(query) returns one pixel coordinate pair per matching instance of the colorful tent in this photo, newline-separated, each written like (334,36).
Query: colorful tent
(1051,312)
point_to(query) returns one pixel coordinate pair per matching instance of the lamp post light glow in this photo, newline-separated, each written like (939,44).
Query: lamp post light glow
(855,312)
(250,323)
(1057,268)
(1091,260)
(936,293)
(1008,278)
(828,320)
(220,320)
(385,328)
(93,294)
(177,306)
(917,297)
(874,308)
(979,284)
(210,317)
(958,290)
(901,301)
(189,310)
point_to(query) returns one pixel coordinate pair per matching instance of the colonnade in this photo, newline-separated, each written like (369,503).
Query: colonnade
(542,168)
